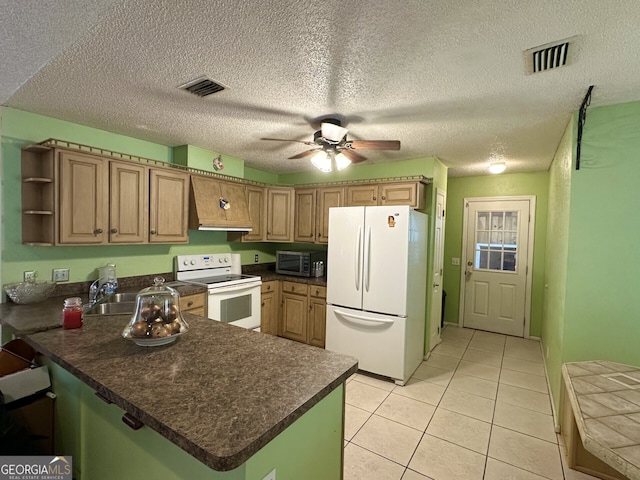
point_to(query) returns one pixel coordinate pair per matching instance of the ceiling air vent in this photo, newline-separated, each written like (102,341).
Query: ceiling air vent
(549,56)
(202,87)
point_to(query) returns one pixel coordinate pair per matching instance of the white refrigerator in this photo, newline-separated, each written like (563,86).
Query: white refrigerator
(376,287)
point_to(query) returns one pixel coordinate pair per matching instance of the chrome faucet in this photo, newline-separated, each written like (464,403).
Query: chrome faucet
(106,284)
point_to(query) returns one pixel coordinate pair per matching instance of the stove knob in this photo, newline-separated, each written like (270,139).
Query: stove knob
(193,262)
(186,262)
(220,260)
(226,260)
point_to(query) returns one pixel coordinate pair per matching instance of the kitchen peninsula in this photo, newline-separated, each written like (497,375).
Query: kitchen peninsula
(237,403)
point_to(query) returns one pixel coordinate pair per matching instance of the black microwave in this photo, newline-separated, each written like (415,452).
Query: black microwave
(299,263)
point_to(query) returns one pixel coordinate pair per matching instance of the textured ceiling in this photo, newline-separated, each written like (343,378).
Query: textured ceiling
(445,78)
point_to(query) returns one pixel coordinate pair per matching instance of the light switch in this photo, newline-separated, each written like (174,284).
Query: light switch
(455,261)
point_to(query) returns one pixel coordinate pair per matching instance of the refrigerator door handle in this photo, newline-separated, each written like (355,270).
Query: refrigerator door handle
(358,257)
(367,260)
(362,319)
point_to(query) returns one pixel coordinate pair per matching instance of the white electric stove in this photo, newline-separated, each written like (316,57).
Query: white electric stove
(233,298)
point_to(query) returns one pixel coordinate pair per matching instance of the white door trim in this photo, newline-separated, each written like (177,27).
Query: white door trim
(529,281)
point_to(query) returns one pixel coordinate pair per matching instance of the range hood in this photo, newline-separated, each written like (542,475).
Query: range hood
(218,205)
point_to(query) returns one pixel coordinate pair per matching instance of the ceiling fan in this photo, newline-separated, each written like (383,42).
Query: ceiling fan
(332,148)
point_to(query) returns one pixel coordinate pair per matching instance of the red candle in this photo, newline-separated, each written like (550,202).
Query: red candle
(72,313)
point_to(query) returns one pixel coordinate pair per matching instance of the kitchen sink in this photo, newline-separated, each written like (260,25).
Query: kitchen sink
(111,308)
(121,297)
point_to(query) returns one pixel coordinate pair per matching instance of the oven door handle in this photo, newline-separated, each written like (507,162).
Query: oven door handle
(234,288)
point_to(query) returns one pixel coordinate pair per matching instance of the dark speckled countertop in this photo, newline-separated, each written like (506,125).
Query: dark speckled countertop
(222,394)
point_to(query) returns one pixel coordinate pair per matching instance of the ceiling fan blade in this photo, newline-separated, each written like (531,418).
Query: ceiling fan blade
(306,153)
(288,140)
(332,132)
(375,144)
(355,157)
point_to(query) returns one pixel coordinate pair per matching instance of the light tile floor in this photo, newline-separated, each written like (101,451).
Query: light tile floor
(478,409)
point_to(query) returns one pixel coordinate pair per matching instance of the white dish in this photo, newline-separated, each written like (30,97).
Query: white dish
(154,342)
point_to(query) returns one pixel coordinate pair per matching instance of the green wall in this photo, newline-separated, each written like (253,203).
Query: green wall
(555,271)
(601,311)
(494,186)
(20,129)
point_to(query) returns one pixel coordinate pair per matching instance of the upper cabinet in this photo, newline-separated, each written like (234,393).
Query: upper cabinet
(280,214)
(94,200)
(169,206)
(397,193)
(327,197)
(305,215)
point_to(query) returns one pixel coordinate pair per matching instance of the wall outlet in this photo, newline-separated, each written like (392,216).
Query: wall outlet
(271,475)
(30,276)
(255,258)
(60,274)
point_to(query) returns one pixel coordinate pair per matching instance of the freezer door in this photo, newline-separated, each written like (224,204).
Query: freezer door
(386,247)
(377,341)
(344,256)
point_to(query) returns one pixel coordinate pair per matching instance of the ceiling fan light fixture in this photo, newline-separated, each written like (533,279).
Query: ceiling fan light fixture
(497,167)
(342,162)
(322,161)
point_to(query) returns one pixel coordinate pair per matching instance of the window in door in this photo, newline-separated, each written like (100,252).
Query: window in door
(496,242)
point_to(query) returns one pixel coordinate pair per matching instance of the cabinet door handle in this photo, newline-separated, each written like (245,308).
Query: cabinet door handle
(97,231)
(384,197)
(268,287)
(262,304)
(153,232)
(374,198)
(114,230)
(189,304)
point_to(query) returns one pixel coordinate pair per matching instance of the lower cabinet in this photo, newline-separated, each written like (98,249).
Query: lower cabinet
(317,316)
(270,307)
(303,313)
(194,304)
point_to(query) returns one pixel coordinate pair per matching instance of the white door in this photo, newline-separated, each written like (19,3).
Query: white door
(438,258)
(385,262)
(345,256)
(498,234)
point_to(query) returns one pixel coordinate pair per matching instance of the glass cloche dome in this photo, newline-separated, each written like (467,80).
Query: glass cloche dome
(157,319)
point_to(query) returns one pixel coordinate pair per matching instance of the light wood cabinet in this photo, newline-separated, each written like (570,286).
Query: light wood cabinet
(303,313)
(305,215)
(396,193)
(270,309)
(78,198)
(257,204)
(38,196)
(128,205)
(84,199)
(195,304)
(317,316)
(294,311)
(362,195)
(280,214)
(326,198)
